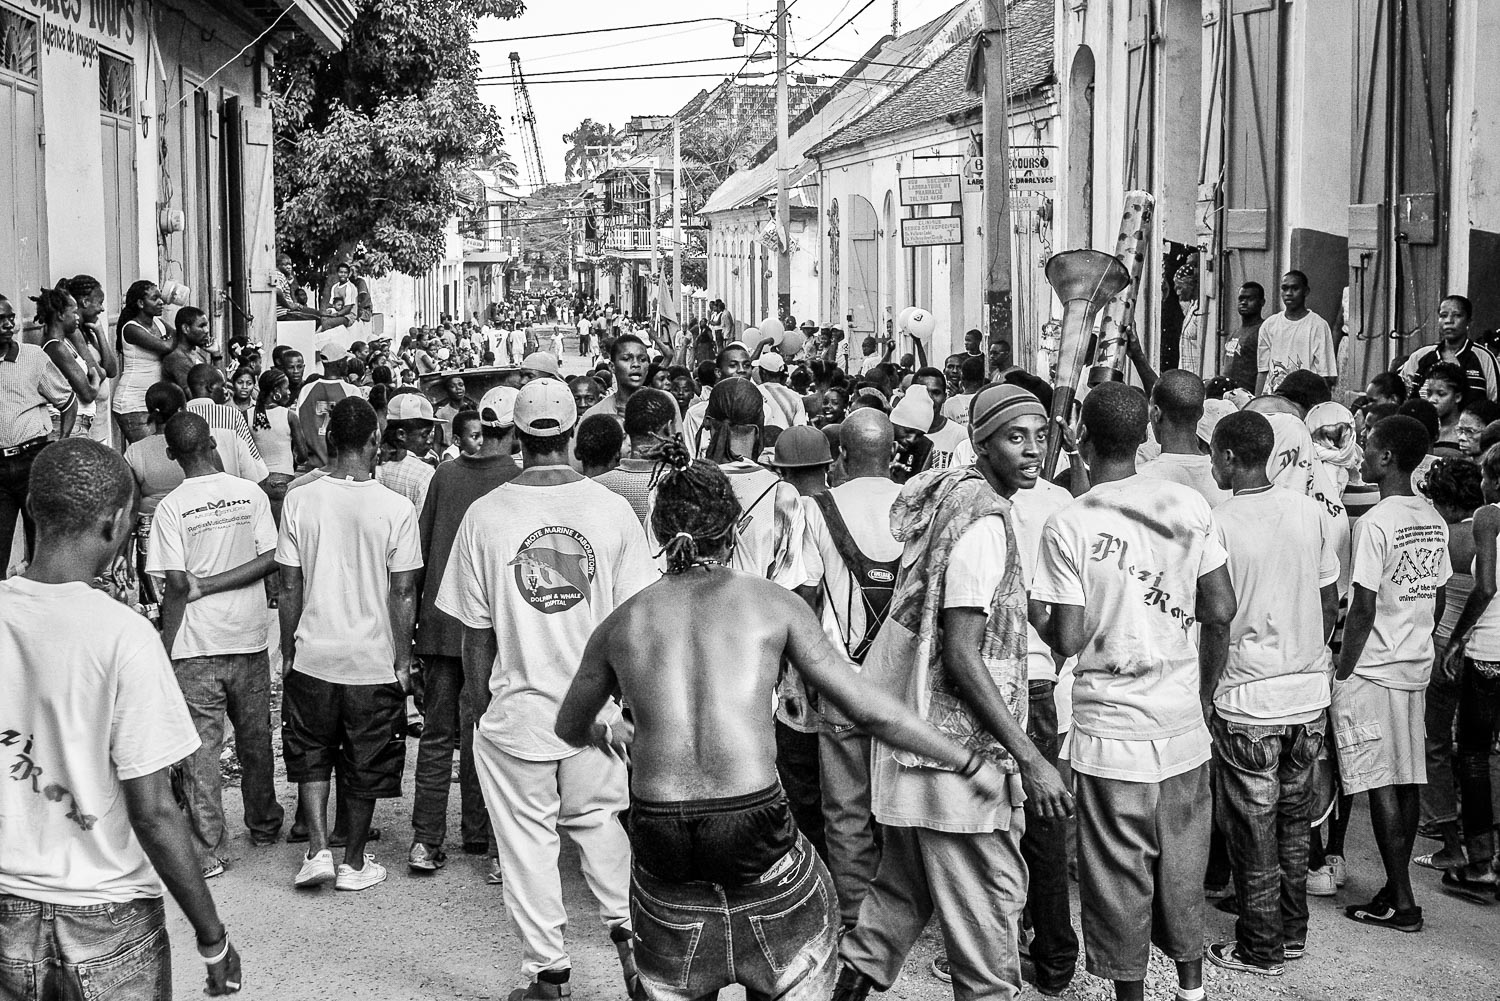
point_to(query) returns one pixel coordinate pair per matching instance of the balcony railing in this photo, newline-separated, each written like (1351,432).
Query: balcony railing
(631,239)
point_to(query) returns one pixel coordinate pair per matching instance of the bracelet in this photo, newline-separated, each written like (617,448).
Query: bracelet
(972,766)
(222,953)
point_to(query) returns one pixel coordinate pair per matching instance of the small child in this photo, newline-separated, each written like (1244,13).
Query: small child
(468,436)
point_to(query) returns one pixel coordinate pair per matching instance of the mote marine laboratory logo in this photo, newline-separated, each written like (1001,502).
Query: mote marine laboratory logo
(554,569)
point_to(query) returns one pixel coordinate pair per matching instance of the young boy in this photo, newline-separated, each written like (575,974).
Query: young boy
(468,435)
(217,528)
(409,426)
(1379,695)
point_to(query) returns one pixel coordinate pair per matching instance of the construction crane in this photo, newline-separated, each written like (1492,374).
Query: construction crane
(536,171)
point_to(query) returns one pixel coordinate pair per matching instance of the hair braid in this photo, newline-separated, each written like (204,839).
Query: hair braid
(696,510)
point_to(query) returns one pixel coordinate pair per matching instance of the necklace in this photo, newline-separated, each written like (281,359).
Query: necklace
(706,564)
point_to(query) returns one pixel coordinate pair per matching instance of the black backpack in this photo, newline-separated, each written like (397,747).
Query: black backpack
(874,579)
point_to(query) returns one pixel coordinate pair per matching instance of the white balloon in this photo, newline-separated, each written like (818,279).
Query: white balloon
(920,323)
(791,343)
(772,328)
(903,317)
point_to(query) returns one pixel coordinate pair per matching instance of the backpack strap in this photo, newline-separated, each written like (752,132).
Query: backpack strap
(875,580)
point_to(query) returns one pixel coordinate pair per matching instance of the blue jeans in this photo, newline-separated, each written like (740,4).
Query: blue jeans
(1044,846)
(777,936)
(237,685)
(445,726)
(57,952)
(1264,783)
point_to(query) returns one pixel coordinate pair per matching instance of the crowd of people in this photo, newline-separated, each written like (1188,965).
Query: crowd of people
(801,650)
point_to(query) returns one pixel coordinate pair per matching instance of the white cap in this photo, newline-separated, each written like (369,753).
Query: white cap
(770,361)
(497,408)
(410,407)
(543,362)
(331,347)
(1214,411)
(915,411)
(545,407)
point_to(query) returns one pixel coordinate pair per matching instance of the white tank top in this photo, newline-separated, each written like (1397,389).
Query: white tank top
(1484,638)
(139,370)
(275,442)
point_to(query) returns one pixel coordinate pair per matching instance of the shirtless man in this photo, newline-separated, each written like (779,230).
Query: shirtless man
(716,851)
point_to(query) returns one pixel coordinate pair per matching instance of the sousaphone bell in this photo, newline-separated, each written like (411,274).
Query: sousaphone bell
(1085,281)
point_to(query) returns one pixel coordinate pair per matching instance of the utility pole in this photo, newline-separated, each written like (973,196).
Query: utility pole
(997,226)
(677,283)
(655,242)
(783,208)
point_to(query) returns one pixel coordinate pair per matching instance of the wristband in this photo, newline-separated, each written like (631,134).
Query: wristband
(218,958)
(972,766)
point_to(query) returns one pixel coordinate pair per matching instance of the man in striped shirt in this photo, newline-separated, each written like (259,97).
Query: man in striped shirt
(207,396)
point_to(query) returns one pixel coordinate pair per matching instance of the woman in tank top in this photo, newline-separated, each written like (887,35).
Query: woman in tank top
(1472,656)
(278,435)
(57,314)
(142,339)
(97,351)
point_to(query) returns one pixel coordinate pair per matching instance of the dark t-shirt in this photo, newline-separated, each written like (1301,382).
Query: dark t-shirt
(455,485)
(1241,349)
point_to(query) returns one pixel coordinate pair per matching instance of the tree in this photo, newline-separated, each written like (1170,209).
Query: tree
(499,163)
(589,147)
(372,141)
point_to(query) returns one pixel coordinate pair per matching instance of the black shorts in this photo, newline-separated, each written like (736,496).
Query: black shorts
(361,727)
(731,841)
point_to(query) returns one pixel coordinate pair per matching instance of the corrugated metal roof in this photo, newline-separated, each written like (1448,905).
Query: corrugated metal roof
(939,92)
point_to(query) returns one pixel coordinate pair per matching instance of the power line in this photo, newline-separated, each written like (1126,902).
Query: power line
(600,31)
(828,37)
(532,76)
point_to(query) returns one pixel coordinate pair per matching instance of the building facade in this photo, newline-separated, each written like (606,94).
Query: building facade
(139,145)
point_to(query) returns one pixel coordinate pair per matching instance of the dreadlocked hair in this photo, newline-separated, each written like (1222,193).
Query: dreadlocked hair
(696,511)
(50,304)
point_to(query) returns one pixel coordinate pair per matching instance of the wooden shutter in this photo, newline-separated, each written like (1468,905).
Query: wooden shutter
(1139,72)
(23,207)
(864,264)
(1252,148)
(1419,200)
(1370,264)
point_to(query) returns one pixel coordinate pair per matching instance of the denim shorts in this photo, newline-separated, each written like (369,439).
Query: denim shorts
(776,936)
(118,951)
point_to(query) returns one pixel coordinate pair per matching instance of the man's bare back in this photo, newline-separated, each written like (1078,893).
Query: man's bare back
(696,656)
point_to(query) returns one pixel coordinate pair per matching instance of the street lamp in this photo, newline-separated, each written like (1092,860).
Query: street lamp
(739,35)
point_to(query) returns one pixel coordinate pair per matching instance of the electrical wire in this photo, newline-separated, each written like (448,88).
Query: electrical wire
(202,84)
(600,31)
(531,76)
(827,38)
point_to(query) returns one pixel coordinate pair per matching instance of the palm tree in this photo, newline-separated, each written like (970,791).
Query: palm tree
(590,146)
(498,162)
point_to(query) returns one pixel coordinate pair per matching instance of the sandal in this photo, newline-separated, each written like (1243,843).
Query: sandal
(1439,861)
(1378,912)
(1475,889)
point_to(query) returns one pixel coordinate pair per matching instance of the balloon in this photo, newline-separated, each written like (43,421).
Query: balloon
(772,328)
(791,343)
(920,324)
(904,316)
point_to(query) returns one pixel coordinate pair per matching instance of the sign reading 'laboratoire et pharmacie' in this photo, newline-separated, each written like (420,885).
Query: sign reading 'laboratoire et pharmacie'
(79,27)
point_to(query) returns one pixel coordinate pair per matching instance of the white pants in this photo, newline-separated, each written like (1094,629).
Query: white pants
(529,802)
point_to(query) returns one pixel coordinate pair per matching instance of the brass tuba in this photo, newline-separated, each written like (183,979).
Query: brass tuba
(1085,281)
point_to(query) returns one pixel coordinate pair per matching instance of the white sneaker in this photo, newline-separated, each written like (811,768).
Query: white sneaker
(316,869)
(1320,882)
(350,878)
(1340,870)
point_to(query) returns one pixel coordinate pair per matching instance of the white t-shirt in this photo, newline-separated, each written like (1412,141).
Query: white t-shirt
(1289,345)
(771,526)
(1281,552)
(205,526)
(1029,513)
(542,566)
(956,408)
(692,423)
(945,440)
(1401,553)
(865,505)
(348,537)
(1294,464)
(1195,471)
(783,408)
(976,565)
(1130,553)
(90,703)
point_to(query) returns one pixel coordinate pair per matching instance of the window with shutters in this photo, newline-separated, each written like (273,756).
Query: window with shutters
(23,211)
(117,140)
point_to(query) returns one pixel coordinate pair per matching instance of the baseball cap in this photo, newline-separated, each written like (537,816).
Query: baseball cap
(915,411)
(1215,411)
(497,408)
(770,361)
(543,362)
(410,407)
(800,447)
(545,407)
(332,348)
